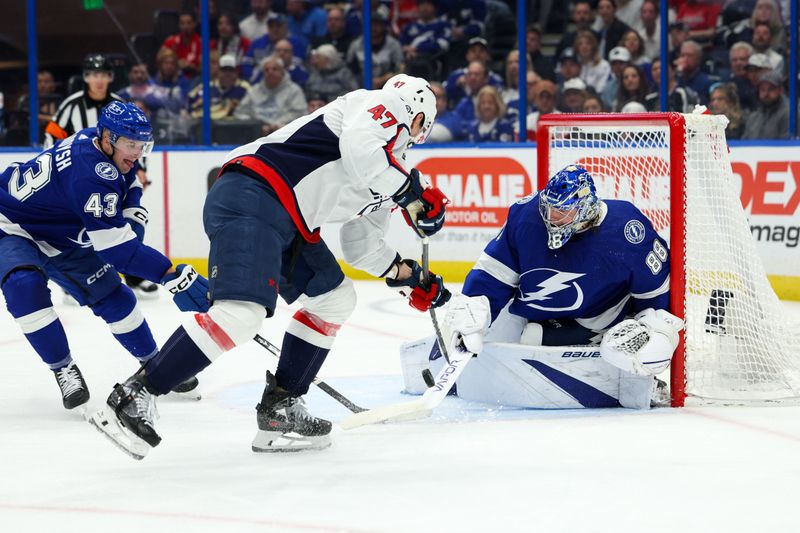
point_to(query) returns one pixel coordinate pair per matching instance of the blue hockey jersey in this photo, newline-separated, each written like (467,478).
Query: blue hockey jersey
(615,268)
(72,195)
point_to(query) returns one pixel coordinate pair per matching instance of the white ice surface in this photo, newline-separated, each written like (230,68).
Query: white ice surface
(469,468)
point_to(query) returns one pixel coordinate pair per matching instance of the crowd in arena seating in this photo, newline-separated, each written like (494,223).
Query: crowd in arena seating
(273,61)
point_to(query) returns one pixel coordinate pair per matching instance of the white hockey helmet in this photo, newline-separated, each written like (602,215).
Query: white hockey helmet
(418,96)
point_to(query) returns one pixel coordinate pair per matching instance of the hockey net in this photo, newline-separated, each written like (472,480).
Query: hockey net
(738,346)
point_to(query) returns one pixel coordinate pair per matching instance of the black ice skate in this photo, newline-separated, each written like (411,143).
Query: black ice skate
(284,424)
(74,391)
(128,418)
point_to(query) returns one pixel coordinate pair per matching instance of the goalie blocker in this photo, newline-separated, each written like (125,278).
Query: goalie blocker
(619,373)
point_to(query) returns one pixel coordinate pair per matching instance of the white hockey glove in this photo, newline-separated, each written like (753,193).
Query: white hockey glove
(467,319)
(642,346)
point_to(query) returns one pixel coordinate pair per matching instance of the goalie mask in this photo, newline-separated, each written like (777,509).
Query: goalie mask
(568,204)
(418,96)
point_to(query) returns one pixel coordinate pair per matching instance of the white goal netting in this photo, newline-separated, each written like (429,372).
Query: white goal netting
(739,345)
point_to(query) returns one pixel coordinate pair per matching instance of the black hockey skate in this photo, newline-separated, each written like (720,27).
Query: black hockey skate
(284,424)
(128,418)
(74,391)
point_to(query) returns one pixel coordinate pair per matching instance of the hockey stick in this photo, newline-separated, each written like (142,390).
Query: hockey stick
(419,408)
(327,389)
(426,274)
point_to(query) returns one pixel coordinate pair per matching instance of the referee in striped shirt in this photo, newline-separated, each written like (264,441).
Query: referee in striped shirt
(81,110)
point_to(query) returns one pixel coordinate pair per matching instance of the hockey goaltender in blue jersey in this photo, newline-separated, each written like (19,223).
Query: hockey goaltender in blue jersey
(73,196)
(615,268)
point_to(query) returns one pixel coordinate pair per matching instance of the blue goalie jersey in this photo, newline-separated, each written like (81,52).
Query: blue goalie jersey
(618,267)
(73,195)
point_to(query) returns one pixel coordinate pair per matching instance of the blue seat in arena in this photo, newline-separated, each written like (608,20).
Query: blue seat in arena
(165,23)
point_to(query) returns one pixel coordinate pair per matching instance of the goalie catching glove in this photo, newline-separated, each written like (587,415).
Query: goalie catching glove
(466,322)
(642,346)
(424,295)
(423,205)
(189,289)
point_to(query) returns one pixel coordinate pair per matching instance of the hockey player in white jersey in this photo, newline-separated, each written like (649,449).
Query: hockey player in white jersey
(579,287)
(342,163)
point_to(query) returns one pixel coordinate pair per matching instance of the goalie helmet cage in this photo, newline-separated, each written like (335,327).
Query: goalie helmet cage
(737,346)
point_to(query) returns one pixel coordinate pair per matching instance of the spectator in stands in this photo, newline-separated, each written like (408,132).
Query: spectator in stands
(679,99)
(573,95)
(264,46)
(490,124)
(512,106)
(380,8)
(633,87)
(387,53)
(678,34)
(476,78)
(467,19)
(48,100)
(229,42)
(141,86)
(618,58)
(448,126)
(628,11)
(425,41)
(254,25)
(608,27)
(593,105)
(764,12)
(762,40)
(336,34)
(456,82)
(757,66)
(701,16)
(306,19)
(724,100)
(276,101)
(541,63)
(568,66)
(315,101)
(186,45)
(582,17)
(739,57)
(545,100)
(689,73)
(635,45)
(649,28)
(170,87)
(771,119)
(294,67)
(511,90)
(213,16)
(595,70)
(227,90)
(329,76)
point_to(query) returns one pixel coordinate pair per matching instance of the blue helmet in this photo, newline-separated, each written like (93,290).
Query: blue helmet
(124,119)
(571,192)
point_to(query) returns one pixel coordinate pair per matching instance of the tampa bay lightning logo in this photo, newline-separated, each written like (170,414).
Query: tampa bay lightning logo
(106,170)
(115,108)
(634,231)
(558,291)
(82,240)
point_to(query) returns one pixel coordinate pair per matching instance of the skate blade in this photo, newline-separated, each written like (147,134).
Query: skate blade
(123,439)
(192,395)
(274,441)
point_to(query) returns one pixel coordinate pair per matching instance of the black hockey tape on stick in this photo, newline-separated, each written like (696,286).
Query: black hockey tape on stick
(426,276)
(324,387)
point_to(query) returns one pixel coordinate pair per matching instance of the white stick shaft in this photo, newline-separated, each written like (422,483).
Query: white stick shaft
(420,407)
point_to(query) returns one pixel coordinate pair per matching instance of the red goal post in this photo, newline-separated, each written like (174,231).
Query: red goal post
(737,345)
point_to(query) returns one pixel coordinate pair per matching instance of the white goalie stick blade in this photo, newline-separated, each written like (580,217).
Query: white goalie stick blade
(421,407)
(106,423)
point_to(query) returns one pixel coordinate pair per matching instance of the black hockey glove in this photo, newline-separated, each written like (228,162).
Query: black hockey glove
(423,295)
(423,205)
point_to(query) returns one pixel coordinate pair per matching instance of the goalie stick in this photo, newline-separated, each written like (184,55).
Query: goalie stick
(421,407)
(327,389)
